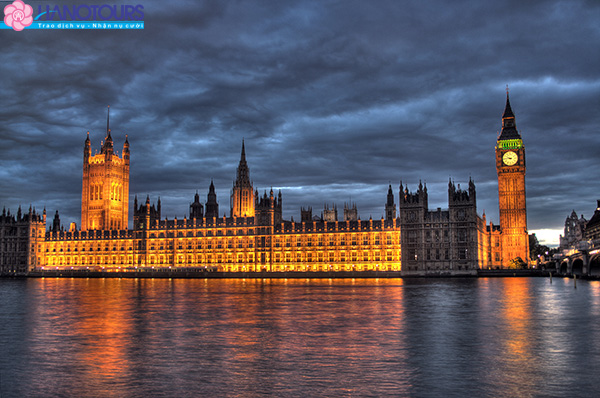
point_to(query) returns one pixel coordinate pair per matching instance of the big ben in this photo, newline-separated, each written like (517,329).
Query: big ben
(510,165)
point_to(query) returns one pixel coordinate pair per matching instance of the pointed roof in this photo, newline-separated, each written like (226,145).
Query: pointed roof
(509,127)
(507,109)
(595,220)
(108,121)
(243,172)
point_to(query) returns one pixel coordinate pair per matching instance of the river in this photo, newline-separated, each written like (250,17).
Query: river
(480,337)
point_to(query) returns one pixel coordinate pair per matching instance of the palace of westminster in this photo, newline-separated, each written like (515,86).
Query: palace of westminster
(255,238)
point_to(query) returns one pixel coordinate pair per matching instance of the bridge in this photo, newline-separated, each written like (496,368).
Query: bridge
(581,260)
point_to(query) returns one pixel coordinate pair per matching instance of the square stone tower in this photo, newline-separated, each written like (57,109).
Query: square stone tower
(105,191)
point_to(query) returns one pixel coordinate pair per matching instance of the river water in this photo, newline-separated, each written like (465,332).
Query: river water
(497,337)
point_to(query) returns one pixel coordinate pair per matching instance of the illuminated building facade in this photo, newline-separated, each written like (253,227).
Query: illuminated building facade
(256,238)
(263,241)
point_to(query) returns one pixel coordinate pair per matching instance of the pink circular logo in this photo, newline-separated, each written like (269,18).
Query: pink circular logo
(18,15)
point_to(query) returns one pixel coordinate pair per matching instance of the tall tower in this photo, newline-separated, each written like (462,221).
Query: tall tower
(242,194)
(510,165)
(105,191)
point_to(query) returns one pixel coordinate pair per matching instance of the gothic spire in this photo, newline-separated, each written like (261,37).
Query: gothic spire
(243,173)
(390,196)
(509,127)
(107,146)
(108,122)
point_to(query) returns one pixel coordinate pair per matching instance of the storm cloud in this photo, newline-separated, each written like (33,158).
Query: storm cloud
(334,99)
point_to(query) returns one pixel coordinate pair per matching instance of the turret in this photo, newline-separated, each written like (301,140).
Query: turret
(126,150)
(107,147)
(472,190)
(56,222)
(212,207)
(390,207)
(196,208)
(87,149)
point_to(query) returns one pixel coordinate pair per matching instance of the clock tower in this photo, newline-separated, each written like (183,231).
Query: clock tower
(510,165)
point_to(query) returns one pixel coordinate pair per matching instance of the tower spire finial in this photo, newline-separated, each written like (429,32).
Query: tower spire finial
(108,121)
(508,112)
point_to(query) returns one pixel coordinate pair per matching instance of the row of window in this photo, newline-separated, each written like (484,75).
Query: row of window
(438,254)
(298,257)
(219,243)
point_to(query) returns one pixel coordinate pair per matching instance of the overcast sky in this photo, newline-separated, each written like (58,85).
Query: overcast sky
(335,100)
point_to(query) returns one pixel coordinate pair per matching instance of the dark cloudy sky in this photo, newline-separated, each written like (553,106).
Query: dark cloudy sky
(335,99)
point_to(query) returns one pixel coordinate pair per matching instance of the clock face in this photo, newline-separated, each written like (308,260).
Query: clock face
(510,158)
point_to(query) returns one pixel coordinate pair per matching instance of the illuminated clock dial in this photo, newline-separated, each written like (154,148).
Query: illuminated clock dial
(510,158)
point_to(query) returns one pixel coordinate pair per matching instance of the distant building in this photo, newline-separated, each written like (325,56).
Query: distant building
(580,246)
(330,215)
(574,231)
(350,212)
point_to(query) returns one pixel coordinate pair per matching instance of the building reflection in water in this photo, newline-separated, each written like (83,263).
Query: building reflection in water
(414,337)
